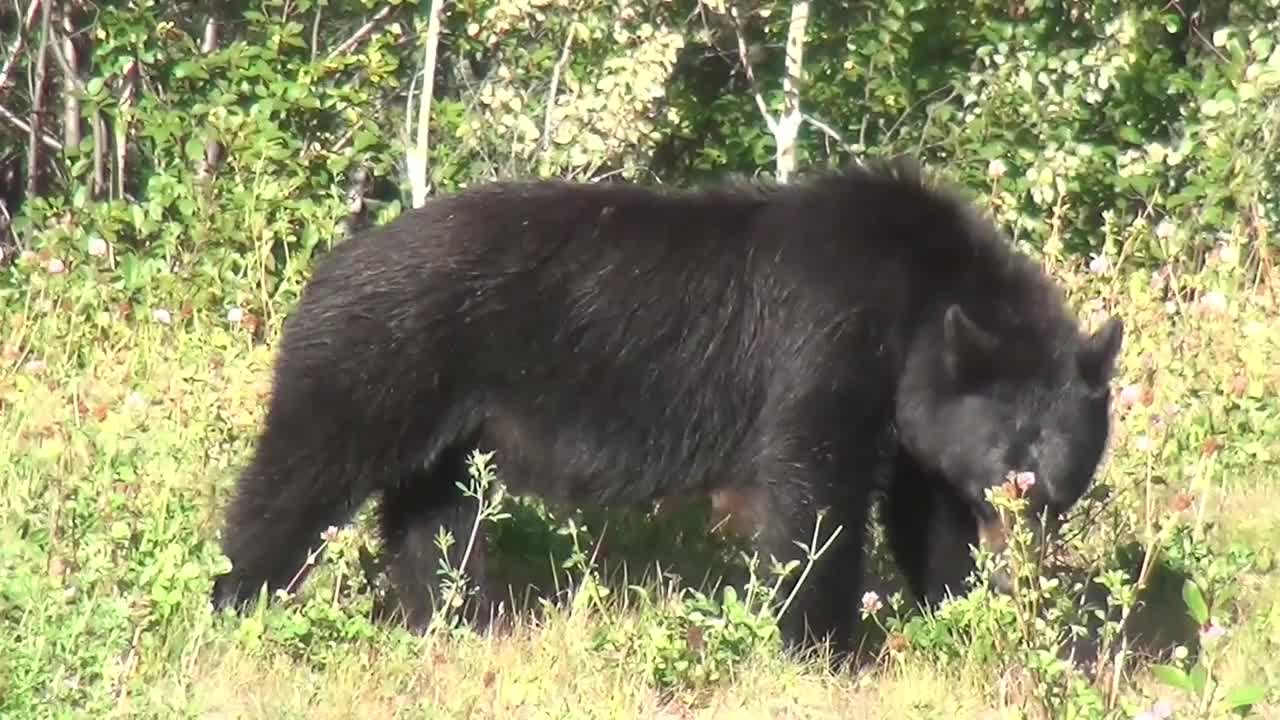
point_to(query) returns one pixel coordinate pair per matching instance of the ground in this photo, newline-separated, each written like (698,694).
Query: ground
(121,435)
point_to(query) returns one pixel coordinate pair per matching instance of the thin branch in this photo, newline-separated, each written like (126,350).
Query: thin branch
(786,125)
(408,116)
(555,87)
(37,104)
(66,64)
(127,98)
(212,148)
(929,95)
(315,32)
(362,33)
(829,131)
(928,119)
(46,139)
(18,43)
(740,32)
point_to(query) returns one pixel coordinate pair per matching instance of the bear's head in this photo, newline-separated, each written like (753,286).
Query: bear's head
(977,405)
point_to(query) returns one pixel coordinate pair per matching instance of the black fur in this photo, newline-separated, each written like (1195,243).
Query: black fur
(616,344)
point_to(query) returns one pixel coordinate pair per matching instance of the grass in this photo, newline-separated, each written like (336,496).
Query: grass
(121,435)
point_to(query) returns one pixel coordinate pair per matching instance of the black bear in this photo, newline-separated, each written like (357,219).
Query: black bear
(615,344)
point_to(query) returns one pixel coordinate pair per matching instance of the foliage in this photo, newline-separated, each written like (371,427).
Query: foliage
(1108,129)
(569,89)
(1079,123)
(1133,144)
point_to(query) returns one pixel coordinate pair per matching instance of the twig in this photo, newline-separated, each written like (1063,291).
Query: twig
(362,33)
(130,664)
(786,126)
(893,129)
(127,95)
(928,119)
(65,64)
(555,86)
(212,159)
(37,105)
(48,140)
(16,48)
(408,116)
(315,32)
(99,154)
(740,33)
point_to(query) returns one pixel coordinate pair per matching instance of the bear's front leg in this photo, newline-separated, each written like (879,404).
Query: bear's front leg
(930,531)
(820,461)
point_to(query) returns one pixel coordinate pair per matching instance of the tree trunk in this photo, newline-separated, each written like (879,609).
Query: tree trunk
(37,105)
(70,84)
(416,155)
(787,128)
(212,148)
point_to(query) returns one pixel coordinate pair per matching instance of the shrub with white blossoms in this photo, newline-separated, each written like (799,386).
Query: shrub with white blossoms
(592,105)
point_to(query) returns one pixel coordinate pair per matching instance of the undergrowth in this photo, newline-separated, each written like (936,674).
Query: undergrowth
(123,431)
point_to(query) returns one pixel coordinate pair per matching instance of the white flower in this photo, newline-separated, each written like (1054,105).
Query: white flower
(1130,395)
(1161,711)
(1228,255)
(161,316)
(996,168)
(1212,632)
(56,267)
(97,246)
(235,315)
(1214,302)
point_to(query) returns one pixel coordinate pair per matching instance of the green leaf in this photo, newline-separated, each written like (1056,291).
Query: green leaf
(1129,134)
(1192,596)
(189,69)
(1199,677)
(1173,677)
(1244,696)
(194,148)
(364,139)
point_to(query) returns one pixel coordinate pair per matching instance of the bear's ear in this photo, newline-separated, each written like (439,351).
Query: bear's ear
(966,348)
(1097,359)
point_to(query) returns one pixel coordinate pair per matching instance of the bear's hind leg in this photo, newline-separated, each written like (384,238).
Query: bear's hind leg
(412,512)
(294,488)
